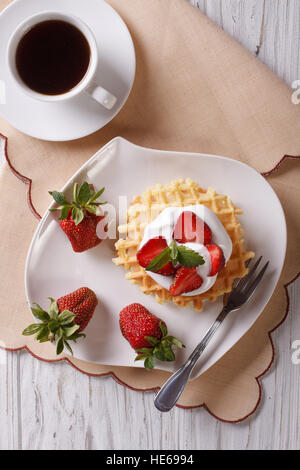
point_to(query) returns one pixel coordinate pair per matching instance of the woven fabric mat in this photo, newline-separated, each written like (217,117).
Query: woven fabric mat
(195,90)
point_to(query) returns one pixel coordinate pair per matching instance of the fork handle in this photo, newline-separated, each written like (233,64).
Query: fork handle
(170,392)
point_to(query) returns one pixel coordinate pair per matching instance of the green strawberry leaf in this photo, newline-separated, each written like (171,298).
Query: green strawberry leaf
(44,339)
(160,260)
(68,347)
(144,350)
(66,318)
(188,257)
(65,212)
(77,215)
(60,342)
(84,193)
(141,357)
(58,197)
(33,329)
(168,352)
(69,332)
(59,346)
(93,209)
(175,341)
(76,336)
(152,340)
(43,333)
(58,208)
(53,309)
(149,362)
(159,353)
(163,328)
(95,196)
(53,326)
(39,313)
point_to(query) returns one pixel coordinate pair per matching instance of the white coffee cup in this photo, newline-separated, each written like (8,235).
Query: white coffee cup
(86,85)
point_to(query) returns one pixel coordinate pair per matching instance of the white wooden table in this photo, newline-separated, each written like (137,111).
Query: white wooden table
(52,406)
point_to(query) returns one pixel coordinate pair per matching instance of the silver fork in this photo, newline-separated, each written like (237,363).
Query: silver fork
(170,392)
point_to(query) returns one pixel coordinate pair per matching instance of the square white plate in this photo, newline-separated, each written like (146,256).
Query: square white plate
(126,170)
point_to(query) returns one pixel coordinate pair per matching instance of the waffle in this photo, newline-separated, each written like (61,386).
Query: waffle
(144,209)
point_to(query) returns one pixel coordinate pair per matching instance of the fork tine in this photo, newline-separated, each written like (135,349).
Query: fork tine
(245,280)
(238,280)
(256,281)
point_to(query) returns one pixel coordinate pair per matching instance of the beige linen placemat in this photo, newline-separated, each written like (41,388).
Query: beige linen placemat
(195,90)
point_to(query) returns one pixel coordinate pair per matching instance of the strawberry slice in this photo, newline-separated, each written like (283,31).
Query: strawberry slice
(217,259)
(185,280)
(190,228)
(150,250)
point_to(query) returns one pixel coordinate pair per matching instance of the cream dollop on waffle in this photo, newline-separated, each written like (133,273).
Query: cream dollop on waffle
(164,225)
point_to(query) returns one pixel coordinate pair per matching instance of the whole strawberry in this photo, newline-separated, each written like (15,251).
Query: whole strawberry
(82,303)
(66,318)
(147,335)
(80,218)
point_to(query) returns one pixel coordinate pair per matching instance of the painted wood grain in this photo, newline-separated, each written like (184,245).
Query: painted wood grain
(52,406)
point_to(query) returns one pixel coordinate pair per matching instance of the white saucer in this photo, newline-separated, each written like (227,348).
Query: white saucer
(80,116)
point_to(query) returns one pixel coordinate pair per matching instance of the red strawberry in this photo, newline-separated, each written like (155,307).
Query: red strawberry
(147,334)
(152,249)
(190,228)
(217,259)
(82,236)
(185,280)
(82,303)
(136,322)
(80,218)
(65,320)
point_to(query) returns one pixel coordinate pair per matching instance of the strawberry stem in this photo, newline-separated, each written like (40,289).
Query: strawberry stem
(84,200)
(75,193)
(54,326)
(161,349)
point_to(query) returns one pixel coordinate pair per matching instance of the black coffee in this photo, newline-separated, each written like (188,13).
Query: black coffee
(53,57)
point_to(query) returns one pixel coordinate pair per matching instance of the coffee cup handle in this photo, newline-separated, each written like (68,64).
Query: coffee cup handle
(104,97)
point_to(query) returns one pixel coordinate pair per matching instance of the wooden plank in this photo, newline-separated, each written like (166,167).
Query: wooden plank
(240,19)
(10,399)
(67,410)
(280,44)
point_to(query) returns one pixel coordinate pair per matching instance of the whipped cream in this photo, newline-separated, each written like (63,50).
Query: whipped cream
(164,225)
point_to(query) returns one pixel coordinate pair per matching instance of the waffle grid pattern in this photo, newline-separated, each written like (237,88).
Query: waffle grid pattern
(144,209)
